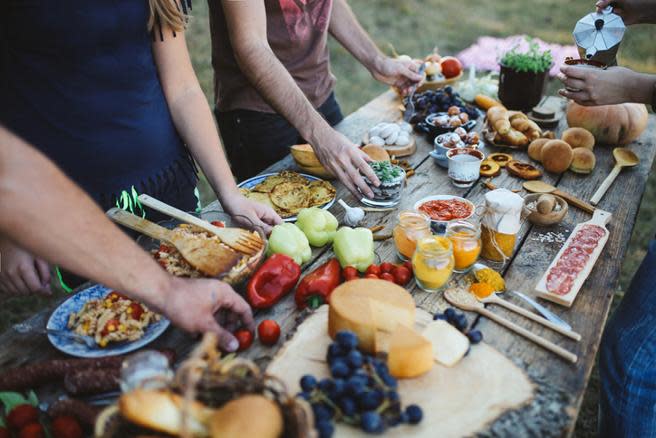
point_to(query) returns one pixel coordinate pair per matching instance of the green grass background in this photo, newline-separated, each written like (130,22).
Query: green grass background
(415,27)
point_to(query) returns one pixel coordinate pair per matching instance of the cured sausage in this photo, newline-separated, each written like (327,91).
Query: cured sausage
(86,382)
(84,413)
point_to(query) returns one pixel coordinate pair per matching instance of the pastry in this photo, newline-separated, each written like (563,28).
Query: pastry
(490,169)
(500,158)
(583,160)
(523,170)
(556,156)
(535,149)
(579,138)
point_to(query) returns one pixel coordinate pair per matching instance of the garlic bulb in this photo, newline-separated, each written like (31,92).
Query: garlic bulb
(354,215)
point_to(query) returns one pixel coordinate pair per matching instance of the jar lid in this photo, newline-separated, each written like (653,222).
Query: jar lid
(503,211)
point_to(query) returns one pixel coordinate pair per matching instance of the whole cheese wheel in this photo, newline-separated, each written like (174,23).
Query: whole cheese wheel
(367,307)
(410,354)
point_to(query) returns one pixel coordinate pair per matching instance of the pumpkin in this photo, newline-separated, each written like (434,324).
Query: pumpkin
(610,124)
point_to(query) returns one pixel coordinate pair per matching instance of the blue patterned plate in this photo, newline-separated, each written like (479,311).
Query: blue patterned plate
(252,182)
(59,319)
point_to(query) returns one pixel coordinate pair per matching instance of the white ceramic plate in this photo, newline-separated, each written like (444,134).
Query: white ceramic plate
(445,198)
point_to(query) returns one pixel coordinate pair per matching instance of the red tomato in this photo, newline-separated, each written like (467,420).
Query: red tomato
(372,276)
(115,296)
(4,432)
(219,224)
(111,326)
(387,277)
(22,415)
(66,426)
(268,331)
(386,267)
(401,275)
(350,273)
(408,265)
(451,67)
(245,339)
(135,310)
(32,430)
(373,269)
(164,248)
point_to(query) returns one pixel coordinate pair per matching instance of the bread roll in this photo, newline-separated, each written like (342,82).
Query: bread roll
(247,416)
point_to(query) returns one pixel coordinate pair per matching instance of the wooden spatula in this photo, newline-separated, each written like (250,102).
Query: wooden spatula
(623,158)
(236,238)
(206,255)
(537,186)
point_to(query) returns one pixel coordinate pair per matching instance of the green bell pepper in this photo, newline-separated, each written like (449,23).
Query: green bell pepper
(288,239)
(318,225)
(354,247)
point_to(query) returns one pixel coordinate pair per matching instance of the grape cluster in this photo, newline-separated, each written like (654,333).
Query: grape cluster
(439,101)
(459,321)
(361,392)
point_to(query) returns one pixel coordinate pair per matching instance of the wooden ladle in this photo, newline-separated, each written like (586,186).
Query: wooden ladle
(537,186)
(466,301)
(623,158)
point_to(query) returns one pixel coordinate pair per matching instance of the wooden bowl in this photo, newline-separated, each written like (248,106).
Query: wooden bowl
(552,218)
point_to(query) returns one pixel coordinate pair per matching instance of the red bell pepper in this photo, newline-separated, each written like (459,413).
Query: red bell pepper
(275,279)
(316,287)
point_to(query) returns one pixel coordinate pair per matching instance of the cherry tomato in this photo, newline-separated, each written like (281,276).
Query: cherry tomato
(245,338)
(451,67)
(350,273)
(372,276)
(66,426)
(268,331)
(219,224)
(135,310)
(387,277)
(32,430)
(373,269)
(4,432)
(401,275)
(386,267)
(408,265)
(21,416)
(114,296)
(110,327)
(164,248)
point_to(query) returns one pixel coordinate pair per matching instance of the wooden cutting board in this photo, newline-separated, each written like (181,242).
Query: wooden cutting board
(394,150)
(457,401)
(599,218)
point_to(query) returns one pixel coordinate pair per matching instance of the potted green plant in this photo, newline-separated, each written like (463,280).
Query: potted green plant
(523,76)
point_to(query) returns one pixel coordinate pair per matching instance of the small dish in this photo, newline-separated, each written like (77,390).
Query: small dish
(537,218)
(459,138)
(388,193)
(438,225)
(464,166)
(431,126)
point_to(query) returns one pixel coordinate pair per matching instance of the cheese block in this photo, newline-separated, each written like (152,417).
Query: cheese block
(449,344)
(410,354)
(368,306)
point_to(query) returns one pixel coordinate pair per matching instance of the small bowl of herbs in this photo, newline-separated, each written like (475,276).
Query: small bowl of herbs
(392,180)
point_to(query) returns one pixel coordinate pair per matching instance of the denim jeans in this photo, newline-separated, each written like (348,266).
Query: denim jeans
(255,140)
(627,361)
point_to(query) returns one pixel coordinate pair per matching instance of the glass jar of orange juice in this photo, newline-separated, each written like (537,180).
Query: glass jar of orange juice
(433,262)
(412,226)
(466,240)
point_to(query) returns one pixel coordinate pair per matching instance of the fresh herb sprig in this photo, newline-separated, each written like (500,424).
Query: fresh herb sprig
(533,60)
(385,171)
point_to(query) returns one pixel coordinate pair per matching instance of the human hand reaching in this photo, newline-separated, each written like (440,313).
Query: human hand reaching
(400,73)
(249,213)
(605,87)
(21,273)
(631,11)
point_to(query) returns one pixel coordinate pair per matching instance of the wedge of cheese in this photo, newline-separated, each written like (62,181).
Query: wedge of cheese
(367,307)
(449,344)
(410,354)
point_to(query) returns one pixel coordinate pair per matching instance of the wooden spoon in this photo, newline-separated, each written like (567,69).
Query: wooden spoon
(208,256)
(537,186)
(623,158)
(466,301)
(495,299)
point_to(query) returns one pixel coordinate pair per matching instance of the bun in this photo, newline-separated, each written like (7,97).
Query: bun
(162,411)
(583,160)
(535,149)
(556,156)
(248,416)
(376,153)
(579,138)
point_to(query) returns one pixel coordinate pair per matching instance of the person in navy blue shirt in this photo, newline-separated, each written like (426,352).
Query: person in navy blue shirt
(106,89)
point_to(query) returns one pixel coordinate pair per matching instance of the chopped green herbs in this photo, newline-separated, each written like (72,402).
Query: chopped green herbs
(386,171)
(533,60)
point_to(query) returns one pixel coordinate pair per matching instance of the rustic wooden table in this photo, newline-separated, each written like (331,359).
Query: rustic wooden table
(560,384)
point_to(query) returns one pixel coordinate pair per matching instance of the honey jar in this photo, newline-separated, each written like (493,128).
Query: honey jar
(500,224)
(466,240)
(411,227)
(433,263)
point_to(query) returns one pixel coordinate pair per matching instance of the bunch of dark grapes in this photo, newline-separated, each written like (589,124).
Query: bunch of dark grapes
(439,101)
(459,321)
(361,392)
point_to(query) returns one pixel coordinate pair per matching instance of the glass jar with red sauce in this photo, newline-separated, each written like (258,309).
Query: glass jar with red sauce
(411,227)
(444,210)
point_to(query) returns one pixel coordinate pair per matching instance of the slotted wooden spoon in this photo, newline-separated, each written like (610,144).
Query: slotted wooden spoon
(469,303)
(206,255)
(236,238)
(623,158)
(537,186)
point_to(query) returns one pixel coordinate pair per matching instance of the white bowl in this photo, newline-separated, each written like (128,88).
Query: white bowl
(440,226)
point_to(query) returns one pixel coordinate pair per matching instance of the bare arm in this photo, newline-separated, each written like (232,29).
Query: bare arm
(246,22)
(346,29)
(67,228)
(193,120)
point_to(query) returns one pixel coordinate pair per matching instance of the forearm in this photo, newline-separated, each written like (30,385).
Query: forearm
(193,120)
(641,88)
(44,212)
(346,29)
(274,83)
